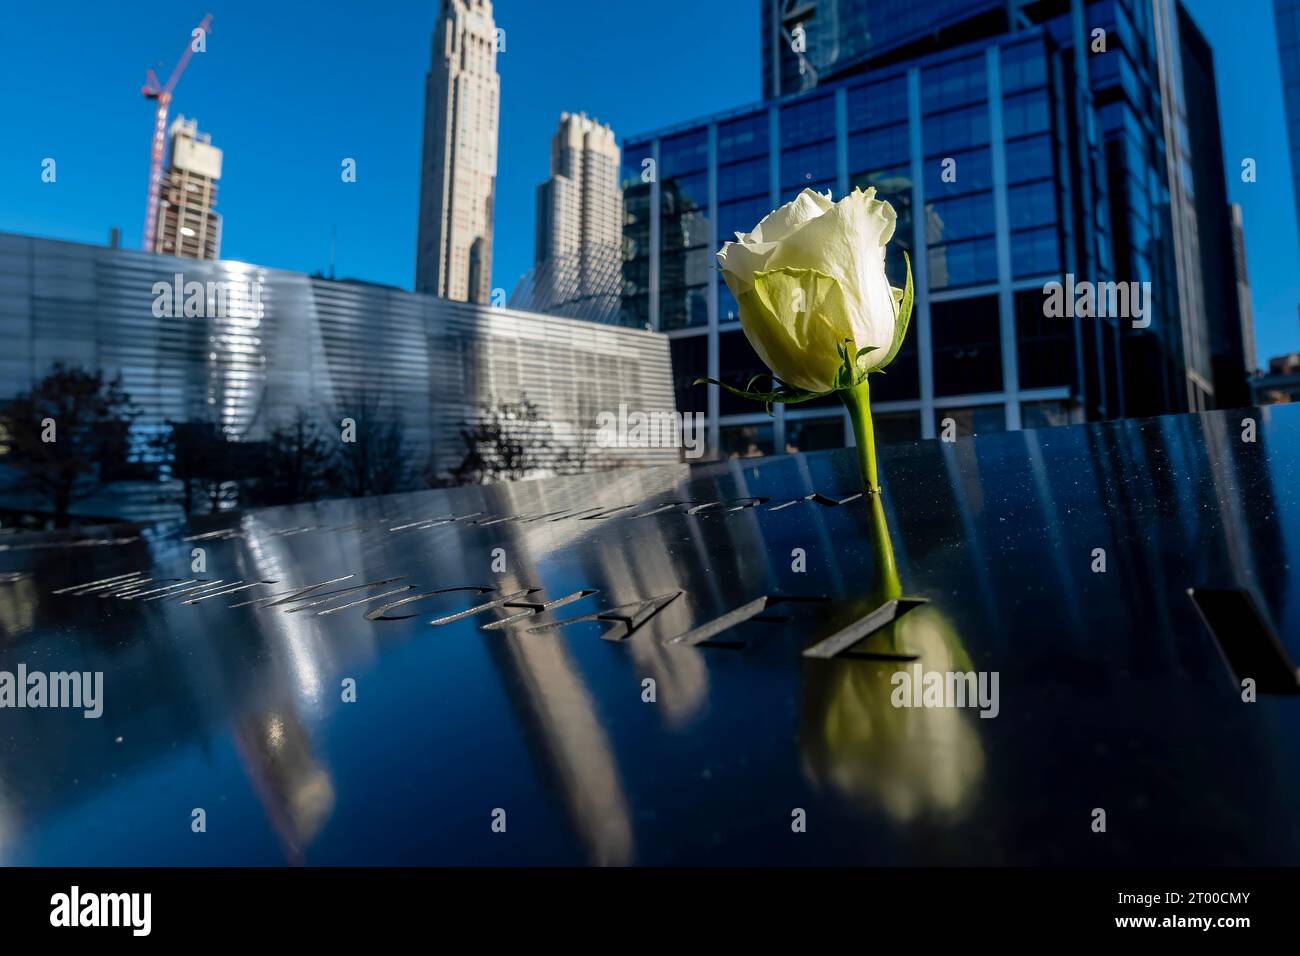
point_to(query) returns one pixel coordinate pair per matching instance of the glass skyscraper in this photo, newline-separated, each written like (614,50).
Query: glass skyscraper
(1286,13)
(808,41)
(1013,159)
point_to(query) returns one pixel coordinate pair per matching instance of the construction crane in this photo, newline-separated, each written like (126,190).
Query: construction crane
(153,90)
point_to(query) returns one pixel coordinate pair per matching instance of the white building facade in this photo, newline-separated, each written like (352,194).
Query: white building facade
(580,223)
(459,166)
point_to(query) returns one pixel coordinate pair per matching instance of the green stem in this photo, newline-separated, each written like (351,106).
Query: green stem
(858,401)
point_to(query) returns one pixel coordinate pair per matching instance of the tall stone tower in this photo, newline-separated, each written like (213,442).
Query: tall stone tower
(458,173)
(579,252)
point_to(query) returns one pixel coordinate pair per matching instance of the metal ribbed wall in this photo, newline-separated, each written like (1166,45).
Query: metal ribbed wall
(285,340)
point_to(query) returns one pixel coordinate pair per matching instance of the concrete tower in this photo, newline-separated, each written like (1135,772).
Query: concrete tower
(458,173)
(188,224)
(580,222)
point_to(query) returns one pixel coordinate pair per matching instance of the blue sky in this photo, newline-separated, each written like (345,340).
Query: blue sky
(289,90)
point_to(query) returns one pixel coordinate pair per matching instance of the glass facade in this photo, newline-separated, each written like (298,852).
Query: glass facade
(1013,160)
(1286,14)
(685,253)
(806,42)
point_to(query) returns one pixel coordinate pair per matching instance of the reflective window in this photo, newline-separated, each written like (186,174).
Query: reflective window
(1032,205)
(895,180)
(1044,414)
(745,441)
(636,271)
(963,263)
(690,357)
(684,153)
(1029,159)
(1023,66)
(686,231)
(895,426)
(814,434)
(958,129)
(1026,114)
(807,120)
(1035,252)
(806,165)
(1110,117)
(738,363)
(901,379)
(744,137)
(634,157)
(970,171)
(635,312)
(746,178)
(967,346)
(741,216)
(1137,201)
(1134,152)
(879,147)
(954,84)
(637,235)
(1139,233)
(1129,82)
(964,217)
(1044,345)
(636,232)
(728,310)
(684,235)
(1103,69)
(684,192)
(876,104)
(681,308)
(976,420)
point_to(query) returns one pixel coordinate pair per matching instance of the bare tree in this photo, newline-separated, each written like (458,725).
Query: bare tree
(212,469)
(372,458)
(69,436)
(299,463)
(510,441)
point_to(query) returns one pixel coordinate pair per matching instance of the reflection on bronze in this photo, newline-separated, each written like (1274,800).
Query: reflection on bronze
(628,623)
(295,790)
(704,635)
(910,762)
(559,728)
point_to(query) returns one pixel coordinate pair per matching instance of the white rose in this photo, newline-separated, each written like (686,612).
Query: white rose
(810,279)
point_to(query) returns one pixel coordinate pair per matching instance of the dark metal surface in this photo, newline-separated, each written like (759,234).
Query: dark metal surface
(1114,693)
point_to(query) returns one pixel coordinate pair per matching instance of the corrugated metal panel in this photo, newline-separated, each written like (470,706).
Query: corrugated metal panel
(268,342)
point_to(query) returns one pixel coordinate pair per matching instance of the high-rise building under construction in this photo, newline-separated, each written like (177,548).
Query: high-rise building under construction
(188,223)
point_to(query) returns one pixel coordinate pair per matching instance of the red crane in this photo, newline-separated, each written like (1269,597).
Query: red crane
(153,90)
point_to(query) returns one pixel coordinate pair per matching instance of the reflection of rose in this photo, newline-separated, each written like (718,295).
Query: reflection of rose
(909,760)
